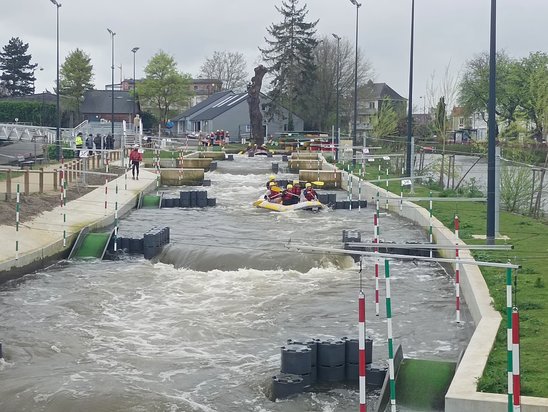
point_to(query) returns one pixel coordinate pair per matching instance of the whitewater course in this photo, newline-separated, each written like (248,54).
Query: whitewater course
(199,327)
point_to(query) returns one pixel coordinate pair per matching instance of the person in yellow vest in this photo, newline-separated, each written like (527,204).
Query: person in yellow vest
(79,142)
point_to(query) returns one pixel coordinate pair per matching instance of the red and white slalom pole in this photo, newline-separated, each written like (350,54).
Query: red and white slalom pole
(17,209)
(106,195)
(515,360)
(376,250)
(361,348)
(457,224)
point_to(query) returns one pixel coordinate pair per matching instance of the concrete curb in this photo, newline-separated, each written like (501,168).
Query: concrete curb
(462,395)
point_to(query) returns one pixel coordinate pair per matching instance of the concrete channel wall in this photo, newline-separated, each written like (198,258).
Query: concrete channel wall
(41,241)
(462,395)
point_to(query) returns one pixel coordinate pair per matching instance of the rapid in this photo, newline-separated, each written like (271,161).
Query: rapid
(200,327)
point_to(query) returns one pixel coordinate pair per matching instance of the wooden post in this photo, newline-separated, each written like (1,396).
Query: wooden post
(41,181)
(8,184)
(26,180)
(55,180)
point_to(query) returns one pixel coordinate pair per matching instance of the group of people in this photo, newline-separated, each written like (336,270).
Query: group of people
(291,195)
(98,142)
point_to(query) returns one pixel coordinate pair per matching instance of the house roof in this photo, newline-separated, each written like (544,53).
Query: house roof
(44,97)
(221,106)
(100,101)
(379,91)
(203,104)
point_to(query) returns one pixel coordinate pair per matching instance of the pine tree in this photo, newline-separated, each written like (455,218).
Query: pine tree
(289,57)
(76,76)
(17,71)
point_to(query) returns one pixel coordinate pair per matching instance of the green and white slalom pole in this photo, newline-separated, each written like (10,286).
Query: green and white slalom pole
(17,209)
(376,241)
(116,218)
(509,339)
(430,238)
(390,340)
(349,189)
(359,194)
(457,270)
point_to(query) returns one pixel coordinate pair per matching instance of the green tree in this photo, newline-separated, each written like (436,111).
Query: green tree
(17,71)
(289,58)
(164,88)
(535,91)
(75,76)
(228,67)
(385,121)
(474,87)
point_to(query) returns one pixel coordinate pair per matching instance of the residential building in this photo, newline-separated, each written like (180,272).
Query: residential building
(465,127)
(371,97)
(229,111)
(97,106)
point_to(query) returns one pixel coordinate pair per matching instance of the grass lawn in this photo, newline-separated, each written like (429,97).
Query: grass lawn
(530,240)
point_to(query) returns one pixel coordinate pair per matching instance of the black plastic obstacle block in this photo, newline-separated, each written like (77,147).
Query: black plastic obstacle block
(331,373)
(331,352)
(184,199)
(286,385)
(212,202)
(201,198)
(296,359)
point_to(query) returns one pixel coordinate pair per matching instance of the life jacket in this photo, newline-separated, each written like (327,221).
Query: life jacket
(274,194)
(135,156)
(296,190)
(310,194)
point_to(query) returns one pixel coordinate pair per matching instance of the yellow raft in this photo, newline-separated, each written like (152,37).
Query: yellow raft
(278,207)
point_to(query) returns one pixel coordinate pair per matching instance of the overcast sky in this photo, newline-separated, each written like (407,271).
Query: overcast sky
(446,31)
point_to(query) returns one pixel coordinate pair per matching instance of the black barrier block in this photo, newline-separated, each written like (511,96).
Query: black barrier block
(184,199)
(331,373)
(135,246)
(312,344)
(351,236)
(250,154)
(148,239)
(1,351)
(164,202)
(193,197)
(296,359)
(168,234)
(353,353)
(375,376)
(352,372)
(275,168)
(314,374)
(331,199)
(323,198)
(269,154)
(355,204)
(344,204)
(212,202)
(331,352)
(213,166)
(229,157)
(206,182)
(286,385)
(201,198)
(284,158)
(363,203)
(124,243)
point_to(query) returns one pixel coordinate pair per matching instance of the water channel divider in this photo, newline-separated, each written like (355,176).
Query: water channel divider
(90,245)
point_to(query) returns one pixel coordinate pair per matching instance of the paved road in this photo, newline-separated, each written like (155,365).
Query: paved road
(9,152)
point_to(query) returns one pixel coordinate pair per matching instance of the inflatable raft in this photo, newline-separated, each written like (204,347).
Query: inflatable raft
(278,207)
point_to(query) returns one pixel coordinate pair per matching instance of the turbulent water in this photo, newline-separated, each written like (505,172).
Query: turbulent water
(200,328)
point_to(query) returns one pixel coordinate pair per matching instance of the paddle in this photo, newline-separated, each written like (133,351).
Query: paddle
(318,183)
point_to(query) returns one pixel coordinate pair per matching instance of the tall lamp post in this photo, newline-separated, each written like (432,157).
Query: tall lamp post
(112,34)
(492,126)
(354,140)
(134,51)
(409,162)
(58,131)
(338,92)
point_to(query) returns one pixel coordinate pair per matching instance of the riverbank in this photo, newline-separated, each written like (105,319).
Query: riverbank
(48,236)
(529,238)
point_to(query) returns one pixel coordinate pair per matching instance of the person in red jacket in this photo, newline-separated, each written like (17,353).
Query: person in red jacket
(135,158)
(274,194)
(297,188)
(310,193)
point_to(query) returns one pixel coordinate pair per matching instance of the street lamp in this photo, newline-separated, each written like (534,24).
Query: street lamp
(57,134)
(492,126)
(338,78)
(358,5)
(409,162)
(112,34)
(134,51)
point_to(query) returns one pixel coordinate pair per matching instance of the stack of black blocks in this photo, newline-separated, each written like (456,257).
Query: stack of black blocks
(154,240)
(190,199)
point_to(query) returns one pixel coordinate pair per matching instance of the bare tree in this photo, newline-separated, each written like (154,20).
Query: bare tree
(254,102)
(229,67)
(324,93)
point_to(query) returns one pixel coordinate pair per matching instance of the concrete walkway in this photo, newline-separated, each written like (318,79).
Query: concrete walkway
(41,240)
